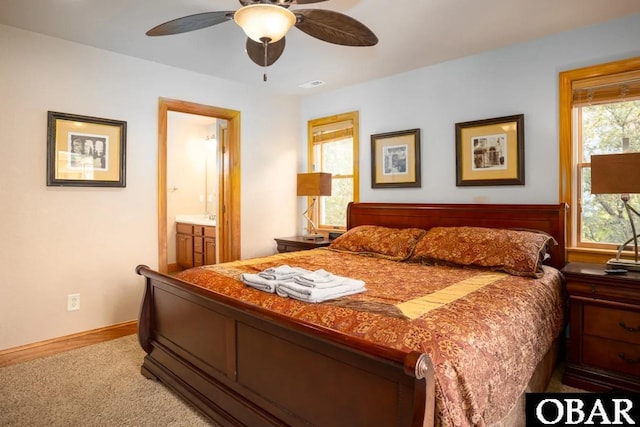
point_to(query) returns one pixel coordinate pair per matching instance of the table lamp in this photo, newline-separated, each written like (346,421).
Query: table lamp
(619,174)
(313,184)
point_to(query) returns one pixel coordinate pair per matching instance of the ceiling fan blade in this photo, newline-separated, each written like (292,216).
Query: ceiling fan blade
(334,27)
(283,3)
(190,23)
(255,50)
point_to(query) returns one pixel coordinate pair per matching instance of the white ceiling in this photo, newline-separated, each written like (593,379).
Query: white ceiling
(411,33)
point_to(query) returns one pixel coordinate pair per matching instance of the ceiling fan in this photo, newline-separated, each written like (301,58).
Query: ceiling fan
(266,22)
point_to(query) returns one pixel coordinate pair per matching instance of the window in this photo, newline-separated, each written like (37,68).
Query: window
(599,114)
(333,148)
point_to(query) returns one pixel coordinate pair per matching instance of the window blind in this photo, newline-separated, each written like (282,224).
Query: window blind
(332,131)
(606,89)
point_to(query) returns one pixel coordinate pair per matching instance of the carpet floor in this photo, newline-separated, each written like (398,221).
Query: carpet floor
(101,385)
(98,385)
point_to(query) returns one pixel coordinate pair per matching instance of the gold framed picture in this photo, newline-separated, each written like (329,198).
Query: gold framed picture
(395,159)
(85,151)
(490,152)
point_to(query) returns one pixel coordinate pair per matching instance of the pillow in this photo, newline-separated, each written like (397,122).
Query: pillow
(516,252)
(383,242)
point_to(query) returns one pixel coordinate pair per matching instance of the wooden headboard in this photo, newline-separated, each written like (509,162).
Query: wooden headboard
(550,219)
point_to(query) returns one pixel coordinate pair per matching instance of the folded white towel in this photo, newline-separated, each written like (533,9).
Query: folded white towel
(319,279)
(319,276)
(336,281)
(310,294)
(258,282)
(282,272)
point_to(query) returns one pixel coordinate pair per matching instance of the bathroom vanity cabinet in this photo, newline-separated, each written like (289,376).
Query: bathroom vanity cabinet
(195,245)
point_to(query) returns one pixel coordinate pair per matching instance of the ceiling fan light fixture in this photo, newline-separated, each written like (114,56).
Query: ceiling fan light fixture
(265,21)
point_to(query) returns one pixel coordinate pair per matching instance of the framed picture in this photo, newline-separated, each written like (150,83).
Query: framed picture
(490,152)
(395,159)
(85,151)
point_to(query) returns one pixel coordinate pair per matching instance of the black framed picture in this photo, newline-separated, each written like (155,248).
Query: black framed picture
(490,151)
(395,159)
(85,151)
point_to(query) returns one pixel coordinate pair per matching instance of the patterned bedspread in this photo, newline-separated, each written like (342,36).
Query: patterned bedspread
(484,331)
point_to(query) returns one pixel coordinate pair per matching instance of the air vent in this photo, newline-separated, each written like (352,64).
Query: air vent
(312,84)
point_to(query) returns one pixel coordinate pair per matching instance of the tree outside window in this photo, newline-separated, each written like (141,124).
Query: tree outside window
(333,148)
(606,128)
(337,158)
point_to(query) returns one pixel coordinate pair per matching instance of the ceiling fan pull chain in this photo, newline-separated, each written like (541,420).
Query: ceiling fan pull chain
(265,43)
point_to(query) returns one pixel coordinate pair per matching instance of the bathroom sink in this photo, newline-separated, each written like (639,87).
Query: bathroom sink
(196,219)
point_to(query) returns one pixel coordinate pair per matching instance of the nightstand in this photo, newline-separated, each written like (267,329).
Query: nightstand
(604,331)
(298,243)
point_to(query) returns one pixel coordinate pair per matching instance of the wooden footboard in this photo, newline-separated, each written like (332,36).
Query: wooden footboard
(242,365)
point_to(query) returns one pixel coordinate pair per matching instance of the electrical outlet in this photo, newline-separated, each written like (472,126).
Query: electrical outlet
(73,302)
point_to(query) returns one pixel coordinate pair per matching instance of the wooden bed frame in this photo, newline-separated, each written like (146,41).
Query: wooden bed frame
(243,365)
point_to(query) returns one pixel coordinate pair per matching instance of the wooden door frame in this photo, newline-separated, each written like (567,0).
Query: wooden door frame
(228,178)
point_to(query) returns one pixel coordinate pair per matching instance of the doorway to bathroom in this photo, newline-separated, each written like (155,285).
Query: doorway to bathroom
(221,202)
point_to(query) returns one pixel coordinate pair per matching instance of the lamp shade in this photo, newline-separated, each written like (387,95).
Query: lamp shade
(265,21)
(314,184)
(615,173)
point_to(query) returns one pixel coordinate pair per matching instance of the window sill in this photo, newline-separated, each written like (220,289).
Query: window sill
(591,255)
